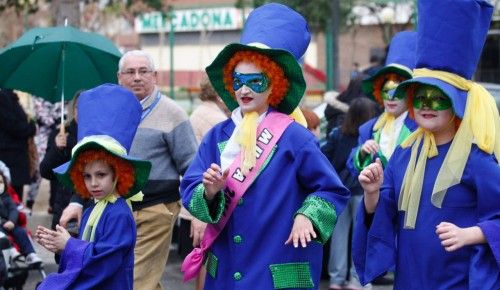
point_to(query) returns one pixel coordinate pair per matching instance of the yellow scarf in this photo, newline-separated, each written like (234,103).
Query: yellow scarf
(95,215)
(247,137)
(480,125)
(387,122)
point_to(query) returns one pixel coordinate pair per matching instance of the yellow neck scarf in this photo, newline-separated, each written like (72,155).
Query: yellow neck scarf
(95,216)
(247,137)
(387,122)
(100,205)
(480,125)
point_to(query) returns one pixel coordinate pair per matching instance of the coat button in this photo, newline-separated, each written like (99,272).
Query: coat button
(237,276)
(240,202)
(237,239)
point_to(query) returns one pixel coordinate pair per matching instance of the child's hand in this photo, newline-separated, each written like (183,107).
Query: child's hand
(369,147)
(54,241)
(9,225)
(302,230)
(214,180)
(453,237)
(371,178)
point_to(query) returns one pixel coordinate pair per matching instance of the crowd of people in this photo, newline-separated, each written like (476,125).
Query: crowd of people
(406,180)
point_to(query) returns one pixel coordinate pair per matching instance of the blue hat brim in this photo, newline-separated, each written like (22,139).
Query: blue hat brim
(142,168)
(458,97)
(290,66)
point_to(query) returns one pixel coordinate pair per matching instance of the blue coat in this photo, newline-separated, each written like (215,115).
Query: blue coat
(251,249)
(105,264)
(420,259)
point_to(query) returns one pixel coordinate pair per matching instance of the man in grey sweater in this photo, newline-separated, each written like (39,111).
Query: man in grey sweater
(165,138)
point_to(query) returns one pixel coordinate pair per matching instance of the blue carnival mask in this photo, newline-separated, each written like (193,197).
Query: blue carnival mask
(257,82)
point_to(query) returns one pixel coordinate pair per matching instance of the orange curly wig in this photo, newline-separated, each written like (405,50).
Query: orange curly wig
(379,82)
(125,177)
(410,94)
(275,74)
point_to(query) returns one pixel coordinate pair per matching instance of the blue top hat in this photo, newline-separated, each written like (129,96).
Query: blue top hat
(451,36)
(400,60)
(280,33)
(108,117)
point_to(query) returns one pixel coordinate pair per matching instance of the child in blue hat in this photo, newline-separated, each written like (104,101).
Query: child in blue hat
(434,211)
(379,136)
(102,257)
(268,194)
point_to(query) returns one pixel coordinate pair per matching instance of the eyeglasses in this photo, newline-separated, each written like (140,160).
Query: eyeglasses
(132,72)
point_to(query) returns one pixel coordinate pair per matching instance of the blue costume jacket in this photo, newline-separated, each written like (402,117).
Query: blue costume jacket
(250,253)
(366,132)
(421,261)
(105,264)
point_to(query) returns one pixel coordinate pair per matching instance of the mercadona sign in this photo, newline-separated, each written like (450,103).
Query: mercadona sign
(210,19)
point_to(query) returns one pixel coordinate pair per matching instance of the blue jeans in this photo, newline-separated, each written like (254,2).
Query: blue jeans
(339,245)
(21,239)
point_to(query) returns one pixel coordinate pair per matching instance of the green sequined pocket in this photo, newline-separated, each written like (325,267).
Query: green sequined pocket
(211,264)
(291,275)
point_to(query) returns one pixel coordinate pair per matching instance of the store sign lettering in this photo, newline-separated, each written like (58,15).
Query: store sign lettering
(190,20)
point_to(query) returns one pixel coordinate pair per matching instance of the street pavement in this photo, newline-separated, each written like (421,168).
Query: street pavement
(171,279)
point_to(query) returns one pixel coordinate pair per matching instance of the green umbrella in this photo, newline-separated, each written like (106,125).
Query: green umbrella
(58,61)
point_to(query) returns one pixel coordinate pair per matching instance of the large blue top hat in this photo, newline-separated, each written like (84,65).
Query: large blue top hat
(108,117)
(451,36)
(280,33)
(400,60)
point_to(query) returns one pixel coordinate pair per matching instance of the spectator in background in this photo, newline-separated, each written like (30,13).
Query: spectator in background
(339,144)
(338,104)
(15,130)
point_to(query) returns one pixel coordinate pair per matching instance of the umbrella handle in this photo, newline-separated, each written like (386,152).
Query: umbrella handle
(62,130)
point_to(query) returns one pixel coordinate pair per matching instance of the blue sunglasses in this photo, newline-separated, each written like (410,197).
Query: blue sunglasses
(257,82)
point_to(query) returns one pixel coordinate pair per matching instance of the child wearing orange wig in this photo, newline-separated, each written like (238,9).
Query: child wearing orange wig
(102,257)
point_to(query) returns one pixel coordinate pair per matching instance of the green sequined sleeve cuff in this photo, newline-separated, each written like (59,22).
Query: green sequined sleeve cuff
(202,210)
(322,215)
(359,162)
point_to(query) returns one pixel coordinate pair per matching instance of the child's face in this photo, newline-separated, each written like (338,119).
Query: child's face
(395,106)
(433,110)
(99,178)
(248,99)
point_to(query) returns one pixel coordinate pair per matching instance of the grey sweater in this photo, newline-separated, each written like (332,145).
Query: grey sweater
(164,137)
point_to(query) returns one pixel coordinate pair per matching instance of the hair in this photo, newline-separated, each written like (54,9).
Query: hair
(410,94)
(123,170)
(360,110)
(139,53)
(312,119)
(379,82)
(353,90)
(207,91)
(277,79)
(74,103)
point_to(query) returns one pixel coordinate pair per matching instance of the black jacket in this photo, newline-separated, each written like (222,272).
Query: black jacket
(15,130)
(59,195)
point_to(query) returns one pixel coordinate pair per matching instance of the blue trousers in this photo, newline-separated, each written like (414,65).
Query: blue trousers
(21,239)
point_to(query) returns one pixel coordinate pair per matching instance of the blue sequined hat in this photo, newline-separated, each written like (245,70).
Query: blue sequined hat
(400,60)
(280,33)
(108,117)
(451,36)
